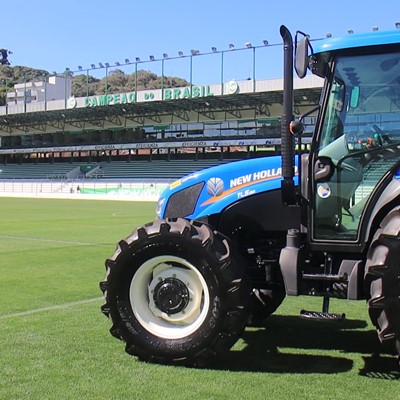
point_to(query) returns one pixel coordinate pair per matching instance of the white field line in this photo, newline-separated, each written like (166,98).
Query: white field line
(50,308)
(51,240)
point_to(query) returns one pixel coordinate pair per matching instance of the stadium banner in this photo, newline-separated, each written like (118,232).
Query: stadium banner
(135,193)
(157,145)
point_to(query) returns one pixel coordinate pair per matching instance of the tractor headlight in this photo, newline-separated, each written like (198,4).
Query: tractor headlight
(160,203)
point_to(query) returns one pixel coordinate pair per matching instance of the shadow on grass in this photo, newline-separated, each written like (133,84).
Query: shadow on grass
(380,367)
(283,346)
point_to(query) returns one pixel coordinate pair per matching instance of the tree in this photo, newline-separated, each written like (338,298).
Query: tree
(86,85)
(116,81)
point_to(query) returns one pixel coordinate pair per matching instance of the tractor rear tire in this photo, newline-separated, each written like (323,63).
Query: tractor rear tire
(264,302)
(175,294)
(382,276)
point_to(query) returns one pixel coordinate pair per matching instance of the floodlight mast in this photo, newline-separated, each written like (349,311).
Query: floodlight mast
(4,56)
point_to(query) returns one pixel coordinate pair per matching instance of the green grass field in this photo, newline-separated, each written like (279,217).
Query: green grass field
(55,342)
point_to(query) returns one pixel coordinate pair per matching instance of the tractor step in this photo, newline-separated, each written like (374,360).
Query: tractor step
(321,316)
(325,277)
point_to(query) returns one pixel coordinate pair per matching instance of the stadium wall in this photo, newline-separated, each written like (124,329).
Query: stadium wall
(87,190)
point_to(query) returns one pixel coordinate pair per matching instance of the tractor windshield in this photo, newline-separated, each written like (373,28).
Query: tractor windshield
(360,134)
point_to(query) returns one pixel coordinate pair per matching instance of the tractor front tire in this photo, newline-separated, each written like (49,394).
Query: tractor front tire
(175,294)
(382,276)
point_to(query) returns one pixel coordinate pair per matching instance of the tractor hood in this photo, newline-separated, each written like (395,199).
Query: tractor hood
(211,190)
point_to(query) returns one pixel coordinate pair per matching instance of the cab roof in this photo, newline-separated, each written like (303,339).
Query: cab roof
(357,40)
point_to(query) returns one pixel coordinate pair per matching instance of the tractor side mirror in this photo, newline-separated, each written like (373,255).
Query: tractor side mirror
(301,55)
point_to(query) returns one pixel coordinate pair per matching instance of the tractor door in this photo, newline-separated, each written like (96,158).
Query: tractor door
(357,143)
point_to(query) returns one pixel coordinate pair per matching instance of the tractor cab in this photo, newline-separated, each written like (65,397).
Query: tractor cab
(355,151)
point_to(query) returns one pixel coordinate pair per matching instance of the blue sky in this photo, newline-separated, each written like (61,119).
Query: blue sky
(54,35)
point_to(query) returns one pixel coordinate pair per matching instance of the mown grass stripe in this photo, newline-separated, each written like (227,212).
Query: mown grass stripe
(52,240)
(50,308)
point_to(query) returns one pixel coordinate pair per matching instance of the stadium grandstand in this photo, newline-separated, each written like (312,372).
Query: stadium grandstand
(48,134)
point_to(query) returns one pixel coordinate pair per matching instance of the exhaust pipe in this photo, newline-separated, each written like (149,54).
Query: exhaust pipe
(287,139)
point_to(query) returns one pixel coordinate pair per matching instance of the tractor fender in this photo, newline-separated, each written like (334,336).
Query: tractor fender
(389,195)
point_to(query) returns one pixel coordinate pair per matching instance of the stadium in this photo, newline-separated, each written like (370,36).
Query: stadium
(129,144)
(54,141)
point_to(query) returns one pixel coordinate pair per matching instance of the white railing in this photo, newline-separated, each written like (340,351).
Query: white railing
(85,189)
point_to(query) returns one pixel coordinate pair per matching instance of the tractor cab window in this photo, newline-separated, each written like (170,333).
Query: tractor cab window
(360,137)
(333,122)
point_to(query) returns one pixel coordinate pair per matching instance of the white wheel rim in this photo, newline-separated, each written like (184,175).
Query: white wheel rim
(156,321)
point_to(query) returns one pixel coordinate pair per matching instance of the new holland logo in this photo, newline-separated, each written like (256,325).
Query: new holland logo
(215,186)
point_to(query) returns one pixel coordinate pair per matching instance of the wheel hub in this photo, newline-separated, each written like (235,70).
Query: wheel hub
(171,296)
(175,294)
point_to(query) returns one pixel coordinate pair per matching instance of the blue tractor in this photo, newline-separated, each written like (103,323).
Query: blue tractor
(232,241)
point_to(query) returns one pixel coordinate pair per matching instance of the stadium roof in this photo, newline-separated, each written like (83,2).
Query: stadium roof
(212,103)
